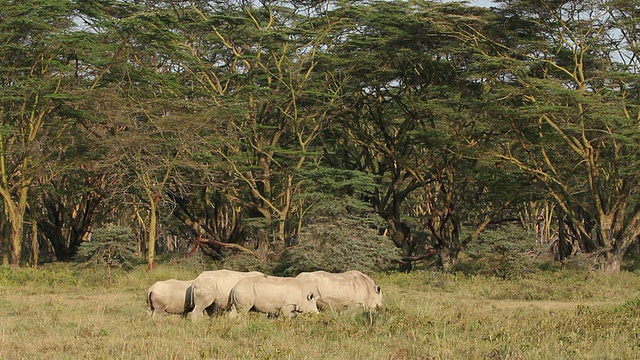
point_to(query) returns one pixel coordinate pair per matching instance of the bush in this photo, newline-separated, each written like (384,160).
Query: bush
(329,248)
(244,262)
(505,252)
(52,274)
(112,247)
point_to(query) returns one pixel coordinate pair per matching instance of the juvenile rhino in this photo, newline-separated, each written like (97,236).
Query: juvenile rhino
(273,295)
(211,289)
(168,296)
(344,290)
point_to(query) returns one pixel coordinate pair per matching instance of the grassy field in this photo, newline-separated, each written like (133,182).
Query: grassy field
(60,313)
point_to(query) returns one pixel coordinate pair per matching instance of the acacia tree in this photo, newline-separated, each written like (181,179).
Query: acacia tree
(410,118)
(152,125)
(260,69)
(65,205)
(149,155)
(569,82)
(39,41)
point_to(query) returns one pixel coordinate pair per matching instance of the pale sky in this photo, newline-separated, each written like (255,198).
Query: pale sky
(485,3)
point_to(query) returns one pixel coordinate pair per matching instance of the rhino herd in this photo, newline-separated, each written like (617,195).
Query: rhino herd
(239,292)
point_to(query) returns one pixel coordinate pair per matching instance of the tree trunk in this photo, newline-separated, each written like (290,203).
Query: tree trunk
(561,254)
(4,241)
(611,261)
(448,258)
(403,239)
(617,243)
(34,243)
(109,274)
(17,231)
(61,250)
(282,235)
(65,224)
(16,218)
(151,246)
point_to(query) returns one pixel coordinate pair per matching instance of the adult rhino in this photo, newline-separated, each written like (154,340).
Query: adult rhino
(170,296)
(273,295)
(346,290)
(211,289)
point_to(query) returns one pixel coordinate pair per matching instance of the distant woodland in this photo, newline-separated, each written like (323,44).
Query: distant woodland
(379,133)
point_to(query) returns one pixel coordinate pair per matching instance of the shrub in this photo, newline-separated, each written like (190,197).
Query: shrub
(112,247)
(244,262)
(338,237)
(329,248)
(505,252)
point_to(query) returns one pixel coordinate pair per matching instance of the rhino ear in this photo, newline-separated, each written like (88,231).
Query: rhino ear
(310,296)
(377,289)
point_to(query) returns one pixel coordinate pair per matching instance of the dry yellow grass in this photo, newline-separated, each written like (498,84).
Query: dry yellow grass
(427,316)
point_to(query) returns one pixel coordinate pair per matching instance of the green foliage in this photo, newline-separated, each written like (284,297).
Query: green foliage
(506,252)
(632,306)
(339,251)
(244,262)
(300,113)
(110,246)
(48,275)
(341,237)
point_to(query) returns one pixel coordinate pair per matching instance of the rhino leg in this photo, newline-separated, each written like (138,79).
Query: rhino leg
(239,311)
(199,306)
(233,312)
(211,310)
(196,313)
(288,311)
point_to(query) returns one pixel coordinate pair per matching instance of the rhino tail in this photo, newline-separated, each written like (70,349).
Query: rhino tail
(189,301)
(150,309)
(231,299)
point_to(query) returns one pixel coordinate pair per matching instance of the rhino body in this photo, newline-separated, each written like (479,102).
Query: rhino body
(273,295)
(169,296)
(211,289)
(351,289)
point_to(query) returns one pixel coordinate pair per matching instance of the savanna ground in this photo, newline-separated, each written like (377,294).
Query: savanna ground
(61,312)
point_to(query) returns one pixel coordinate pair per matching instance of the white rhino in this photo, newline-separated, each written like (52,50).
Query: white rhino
(210,290)
(168,296)
(273,295)
(346,290)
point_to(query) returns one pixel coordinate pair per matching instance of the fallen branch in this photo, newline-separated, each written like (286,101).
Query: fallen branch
(218,243)
(429,252)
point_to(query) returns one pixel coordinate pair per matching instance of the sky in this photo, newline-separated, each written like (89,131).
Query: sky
(485,3)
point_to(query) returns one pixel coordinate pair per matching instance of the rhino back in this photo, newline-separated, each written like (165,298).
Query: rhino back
(270,294)
(343,290)
(214,287)
(168,295)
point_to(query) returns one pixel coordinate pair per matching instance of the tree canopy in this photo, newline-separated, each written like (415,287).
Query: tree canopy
(258,124)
